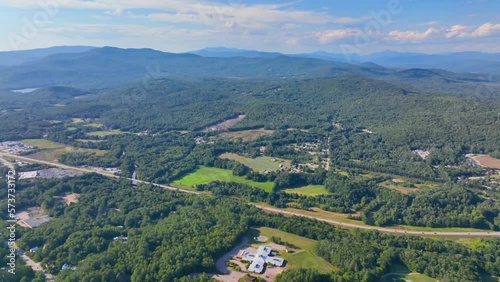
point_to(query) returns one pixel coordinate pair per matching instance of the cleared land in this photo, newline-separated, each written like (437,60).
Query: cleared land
(205,175)
(103,133)
(486,161)
(406,185)
(90,140)
(401,273)
(43,144)
(304,256)
(259,163)
(408,277)
(310,190)
(50,151)
(225,125)
(247,135)
(94,125)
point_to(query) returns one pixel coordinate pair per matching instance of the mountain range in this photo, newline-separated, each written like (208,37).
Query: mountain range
(107,67)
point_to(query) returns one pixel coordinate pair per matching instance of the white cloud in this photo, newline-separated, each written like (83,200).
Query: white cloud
(329,36)
(413,35)
(430,23)
(116,12)
(487,29)
(458,31)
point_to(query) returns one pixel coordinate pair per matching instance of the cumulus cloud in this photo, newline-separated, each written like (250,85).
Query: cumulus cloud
(458,31)
(487,29)
(329,36)
(430,23)
(413,35)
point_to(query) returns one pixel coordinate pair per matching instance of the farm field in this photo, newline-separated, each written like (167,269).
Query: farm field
(259,163)
(205,175)
(246,135)
(302,257)
(310,190)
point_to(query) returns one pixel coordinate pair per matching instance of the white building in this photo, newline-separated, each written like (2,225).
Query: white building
(259,259)
(28,175)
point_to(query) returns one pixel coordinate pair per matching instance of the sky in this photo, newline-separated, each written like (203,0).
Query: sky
(295,26)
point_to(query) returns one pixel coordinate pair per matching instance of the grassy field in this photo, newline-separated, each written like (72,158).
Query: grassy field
(105,133)
(413,277)
(401,273)
(50,151)
(438,229)
(259,163)
(246,135)
(205,175)
(94,125)
(90,140)
(77,120)
(398,184)
(303,257)
(43,144)
(311,190)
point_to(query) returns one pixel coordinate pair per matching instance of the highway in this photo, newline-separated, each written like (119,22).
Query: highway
(275,210)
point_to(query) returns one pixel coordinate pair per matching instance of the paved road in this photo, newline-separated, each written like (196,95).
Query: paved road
(275,210)
(6,163)
(31,263)
(386,230)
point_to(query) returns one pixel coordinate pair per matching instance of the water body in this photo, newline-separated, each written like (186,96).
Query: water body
(24,91)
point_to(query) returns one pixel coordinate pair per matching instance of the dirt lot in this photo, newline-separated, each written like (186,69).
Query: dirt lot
(68,198)
(487,161)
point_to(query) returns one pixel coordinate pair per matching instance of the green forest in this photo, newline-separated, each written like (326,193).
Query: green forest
(355,132)
(120,233)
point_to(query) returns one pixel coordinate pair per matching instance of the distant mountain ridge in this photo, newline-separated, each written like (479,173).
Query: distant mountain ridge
(13,58)
(109,67)
(472,62)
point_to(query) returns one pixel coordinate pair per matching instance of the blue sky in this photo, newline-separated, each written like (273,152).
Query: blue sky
(359,26)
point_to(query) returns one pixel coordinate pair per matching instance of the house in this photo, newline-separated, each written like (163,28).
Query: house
(32,250)
(260,259)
